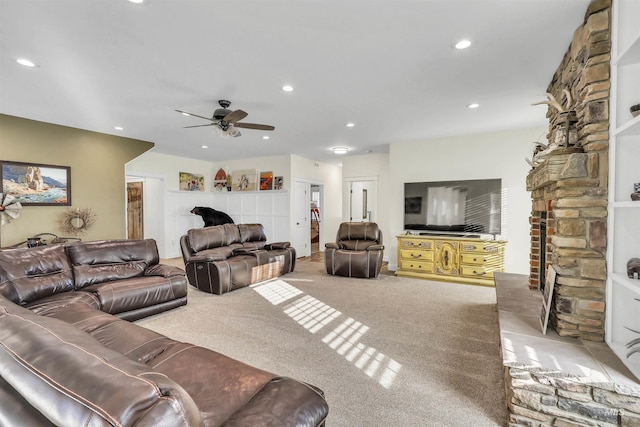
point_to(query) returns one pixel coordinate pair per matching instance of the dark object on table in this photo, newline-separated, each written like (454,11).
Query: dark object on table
(211,216)
(635,196)
(633,268)
(635,110)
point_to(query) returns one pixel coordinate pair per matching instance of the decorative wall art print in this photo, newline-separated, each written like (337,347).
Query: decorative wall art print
(35,184)
(549,284)
(244,180)
(266,181)
(191,182)
(278,182)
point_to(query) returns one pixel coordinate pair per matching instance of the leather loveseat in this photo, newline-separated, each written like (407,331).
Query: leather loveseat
(66,361)
(222,258)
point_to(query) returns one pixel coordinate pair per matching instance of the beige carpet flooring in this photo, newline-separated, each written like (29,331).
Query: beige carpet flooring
(387,352)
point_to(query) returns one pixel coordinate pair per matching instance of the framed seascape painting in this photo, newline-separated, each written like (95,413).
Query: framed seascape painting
(36,184)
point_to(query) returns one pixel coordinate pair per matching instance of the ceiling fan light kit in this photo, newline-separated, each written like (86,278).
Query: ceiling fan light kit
(226,121)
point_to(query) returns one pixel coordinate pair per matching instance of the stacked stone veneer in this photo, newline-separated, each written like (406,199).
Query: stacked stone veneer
(575,202)
(542,398)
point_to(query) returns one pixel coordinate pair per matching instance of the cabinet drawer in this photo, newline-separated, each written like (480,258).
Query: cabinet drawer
(426,267)
(416,255)
(416,243)
(481,247)
(477,271)
(478,259)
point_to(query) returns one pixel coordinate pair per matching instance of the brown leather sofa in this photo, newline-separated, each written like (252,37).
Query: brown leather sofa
(222,258)
(357,251)
(121,277)
(66,361)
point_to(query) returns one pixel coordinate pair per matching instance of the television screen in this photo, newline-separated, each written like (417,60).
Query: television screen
(457,207)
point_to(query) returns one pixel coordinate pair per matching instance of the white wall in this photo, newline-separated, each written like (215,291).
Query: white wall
(262,206)
(371,165)
(279,165)
(330,177)
(481,156)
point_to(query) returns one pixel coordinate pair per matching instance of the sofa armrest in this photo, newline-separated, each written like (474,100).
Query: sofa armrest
(375,248)
(164,270)
(277,245)
(282,402)
(331,245)
(206,258)
(244,251)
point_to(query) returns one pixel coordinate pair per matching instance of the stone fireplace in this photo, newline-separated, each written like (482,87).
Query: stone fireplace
(568,183)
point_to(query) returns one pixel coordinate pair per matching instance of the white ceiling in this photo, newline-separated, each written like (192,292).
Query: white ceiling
(386,65)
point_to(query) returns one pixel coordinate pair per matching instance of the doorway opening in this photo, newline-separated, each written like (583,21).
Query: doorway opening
(315,204)
(135,210)
(145,200)
(362,200)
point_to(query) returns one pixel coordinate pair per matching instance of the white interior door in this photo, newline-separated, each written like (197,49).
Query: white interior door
(301,234)
(363,197)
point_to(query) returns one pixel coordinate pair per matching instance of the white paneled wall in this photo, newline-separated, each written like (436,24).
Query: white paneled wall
(269,208)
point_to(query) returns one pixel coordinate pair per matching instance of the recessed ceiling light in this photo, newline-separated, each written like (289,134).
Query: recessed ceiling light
(118,128)
(26,62)
(266,137)
(473,105)
(205,146)
(463,44)
(136,1)
(350,125)
(287,88)
(340,150)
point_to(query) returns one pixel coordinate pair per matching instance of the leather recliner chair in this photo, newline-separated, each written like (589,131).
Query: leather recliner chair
(357,251)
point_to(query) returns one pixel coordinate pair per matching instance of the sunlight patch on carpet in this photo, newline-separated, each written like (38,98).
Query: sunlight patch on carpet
(344,339)
(277,291)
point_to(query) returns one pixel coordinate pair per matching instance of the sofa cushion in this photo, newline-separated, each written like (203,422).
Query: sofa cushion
(31,273)
(252,233)
(236,381)
(357,245)
(103,261)
(64,301)
(118,296)
(359,231)
(47,360)
(213,237)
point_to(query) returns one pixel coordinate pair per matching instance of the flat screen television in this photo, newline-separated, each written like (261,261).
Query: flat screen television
(467,207)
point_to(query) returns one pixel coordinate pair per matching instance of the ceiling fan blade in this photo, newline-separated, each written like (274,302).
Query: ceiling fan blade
(234,116)
(194,115)
(254,126)
(198,126)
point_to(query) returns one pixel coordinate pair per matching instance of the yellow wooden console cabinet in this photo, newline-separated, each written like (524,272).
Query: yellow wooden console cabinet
(452,259)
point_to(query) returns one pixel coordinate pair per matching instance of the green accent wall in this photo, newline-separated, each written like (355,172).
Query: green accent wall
(97,164)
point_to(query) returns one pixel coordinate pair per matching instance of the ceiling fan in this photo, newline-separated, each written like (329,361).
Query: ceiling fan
(227,121)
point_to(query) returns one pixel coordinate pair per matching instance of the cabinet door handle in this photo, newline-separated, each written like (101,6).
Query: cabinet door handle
(479,274)
(416,256)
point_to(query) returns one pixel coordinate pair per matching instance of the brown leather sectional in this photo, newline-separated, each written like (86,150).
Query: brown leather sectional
(222,258)
(69,358)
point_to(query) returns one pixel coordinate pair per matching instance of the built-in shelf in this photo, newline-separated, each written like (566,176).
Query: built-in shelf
(623,293)
(630,56)
(630,128)
(627,204)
